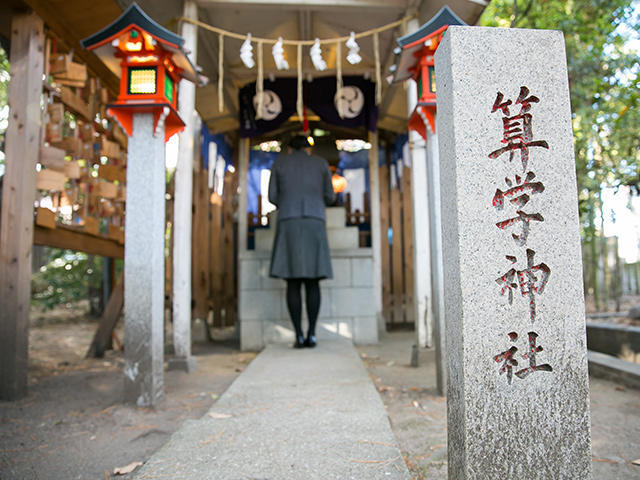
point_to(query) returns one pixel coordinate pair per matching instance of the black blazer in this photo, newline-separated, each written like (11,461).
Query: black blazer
(300,185)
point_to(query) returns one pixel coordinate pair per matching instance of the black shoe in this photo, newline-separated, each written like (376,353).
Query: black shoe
(300,342)
(310,342)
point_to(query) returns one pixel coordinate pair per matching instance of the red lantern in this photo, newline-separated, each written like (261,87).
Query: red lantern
(339,183)
(415,60)
(150,62)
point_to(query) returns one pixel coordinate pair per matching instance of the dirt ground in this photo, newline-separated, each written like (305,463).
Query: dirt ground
(419,416)
(73,424)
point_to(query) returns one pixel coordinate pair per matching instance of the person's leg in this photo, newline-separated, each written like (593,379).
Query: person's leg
(294,304)
(312,289)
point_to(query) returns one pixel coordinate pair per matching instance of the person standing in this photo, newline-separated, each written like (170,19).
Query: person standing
(300,187)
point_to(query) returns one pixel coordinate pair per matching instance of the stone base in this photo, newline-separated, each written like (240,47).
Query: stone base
(184,364)
(199,331)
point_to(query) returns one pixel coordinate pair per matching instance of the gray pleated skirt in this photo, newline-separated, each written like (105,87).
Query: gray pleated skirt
(301,249)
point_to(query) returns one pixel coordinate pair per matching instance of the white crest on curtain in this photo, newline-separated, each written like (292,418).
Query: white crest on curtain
(271,104)
(349,101)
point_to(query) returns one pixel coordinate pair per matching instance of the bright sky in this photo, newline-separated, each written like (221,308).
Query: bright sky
(622,219)
(623,222)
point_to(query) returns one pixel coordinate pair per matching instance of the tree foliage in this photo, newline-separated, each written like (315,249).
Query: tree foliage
(66,277)
(603,80)
(603,48)
(4,108)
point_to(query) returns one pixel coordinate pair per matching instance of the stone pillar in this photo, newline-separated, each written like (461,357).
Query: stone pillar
(183,194)
(435,246)
(421,257)
(18,197)
(374,220)
(518,391)
(144,263)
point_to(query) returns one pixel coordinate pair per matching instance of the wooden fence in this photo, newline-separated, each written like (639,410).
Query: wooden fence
(214,264)
(396,226)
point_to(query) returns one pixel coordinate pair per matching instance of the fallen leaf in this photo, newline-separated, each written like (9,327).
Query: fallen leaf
(604,460)
(619,388)
(391,363)
(128,469)
(636,462)
(214,396)
(414,389)
(363,355)
(415,404)
(218,415)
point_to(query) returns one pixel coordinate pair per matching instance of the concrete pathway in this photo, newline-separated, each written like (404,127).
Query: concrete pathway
(292,414)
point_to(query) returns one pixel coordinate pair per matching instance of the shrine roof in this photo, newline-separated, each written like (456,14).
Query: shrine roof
(410,44)
(98,42)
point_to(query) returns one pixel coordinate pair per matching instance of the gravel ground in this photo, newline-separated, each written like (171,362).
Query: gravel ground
(72,425)
(419,416)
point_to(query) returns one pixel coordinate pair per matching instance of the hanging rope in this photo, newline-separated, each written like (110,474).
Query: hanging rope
(339,77)
(299,44)
(376,51)
(260,83)
(220,72)
(271,41)
(300,101)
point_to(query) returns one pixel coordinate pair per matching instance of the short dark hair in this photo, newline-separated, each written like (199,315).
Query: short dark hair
(298,142)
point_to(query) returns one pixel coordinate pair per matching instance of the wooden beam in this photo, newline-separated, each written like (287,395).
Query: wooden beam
(303,4)
(77,240)
(108,321)
(18,196)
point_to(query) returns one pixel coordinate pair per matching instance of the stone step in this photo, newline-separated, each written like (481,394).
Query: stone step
(339,238)
(336,217)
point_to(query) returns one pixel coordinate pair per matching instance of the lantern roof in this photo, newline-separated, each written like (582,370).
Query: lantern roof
(100,42)
(412,43)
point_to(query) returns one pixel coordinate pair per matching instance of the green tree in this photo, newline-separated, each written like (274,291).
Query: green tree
(4,107)
(603,80)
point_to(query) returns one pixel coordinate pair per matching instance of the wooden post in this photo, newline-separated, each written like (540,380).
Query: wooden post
(229,248)
(396,255)
(216,259)
(374,221)
(243,169)
(108,321)
(407,239)
(18,197)
(200,255)
(384,240)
